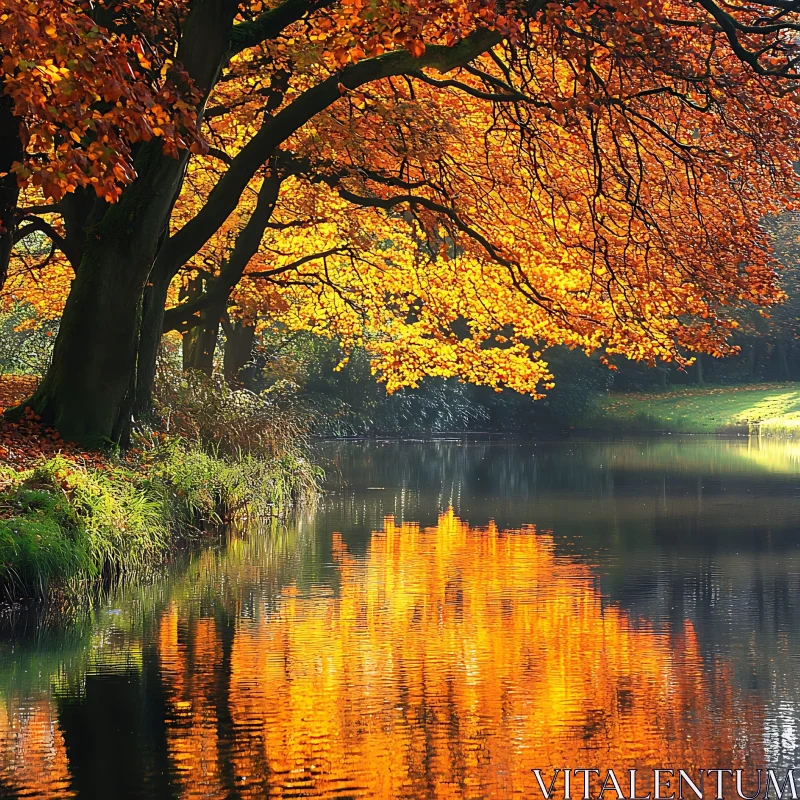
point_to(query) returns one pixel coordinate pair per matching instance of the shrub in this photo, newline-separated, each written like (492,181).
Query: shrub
(205,410)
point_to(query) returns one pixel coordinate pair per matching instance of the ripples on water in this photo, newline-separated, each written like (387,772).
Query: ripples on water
(452,617)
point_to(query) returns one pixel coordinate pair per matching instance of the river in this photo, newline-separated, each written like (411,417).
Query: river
(449,618)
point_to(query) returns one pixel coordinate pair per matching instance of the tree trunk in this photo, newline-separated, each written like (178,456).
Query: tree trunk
(188,346)
(751,360)
(239,368)
(783,364)
(88,391)
(10,151)
(205,346)
(155,296)
(698,369)
(200,340)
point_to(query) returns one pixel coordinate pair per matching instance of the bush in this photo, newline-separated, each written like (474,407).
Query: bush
(353,402)
(205,410)
(350,401)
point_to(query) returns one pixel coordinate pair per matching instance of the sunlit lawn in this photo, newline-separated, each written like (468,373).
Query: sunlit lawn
(773,407)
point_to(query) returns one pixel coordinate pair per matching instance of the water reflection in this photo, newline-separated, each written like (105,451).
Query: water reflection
(362,653)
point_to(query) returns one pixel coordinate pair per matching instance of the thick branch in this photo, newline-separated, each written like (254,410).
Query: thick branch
(224,197)
(271,23)
(413,200)
(732,28)
(36,224)
(247,244)
(55,208)
(512,96)
(272,273)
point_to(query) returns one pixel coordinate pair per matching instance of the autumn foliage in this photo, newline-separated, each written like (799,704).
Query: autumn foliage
(85,90)
(454,185)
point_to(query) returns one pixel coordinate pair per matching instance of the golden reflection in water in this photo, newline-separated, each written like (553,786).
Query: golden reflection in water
(449,662)
(192,740)
(33,759)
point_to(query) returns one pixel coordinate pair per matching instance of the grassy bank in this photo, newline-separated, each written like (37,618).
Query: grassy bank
(771,409)
(71,518)
(64,524)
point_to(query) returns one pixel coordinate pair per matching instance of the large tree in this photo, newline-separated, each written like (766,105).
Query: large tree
(516,173)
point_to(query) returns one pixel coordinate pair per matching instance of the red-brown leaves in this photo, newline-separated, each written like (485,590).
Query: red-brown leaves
(24,443)
(85,94)
(354,29)
(14,389)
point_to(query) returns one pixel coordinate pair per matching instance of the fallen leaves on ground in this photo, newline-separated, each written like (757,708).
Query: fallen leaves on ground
(26,442)
(15,388)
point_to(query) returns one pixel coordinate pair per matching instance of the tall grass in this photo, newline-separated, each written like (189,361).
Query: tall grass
(199,487)
(65,525)
(229,421)
(220,456)
(62,521)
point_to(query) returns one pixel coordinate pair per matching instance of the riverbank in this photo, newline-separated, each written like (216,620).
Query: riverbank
(768,409)
(72,519)
(64,524)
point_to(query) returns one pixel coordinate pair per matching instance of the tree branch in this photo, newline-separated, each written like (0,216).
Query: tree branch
(220,155)
(518,276)
(271,23)
(732,27)
(55,208)
(271,273)
(224,197)
(246,246)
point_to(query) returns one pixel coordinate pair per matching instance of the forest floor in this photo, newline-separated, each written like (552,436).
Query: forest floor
(769,409)
(25,443)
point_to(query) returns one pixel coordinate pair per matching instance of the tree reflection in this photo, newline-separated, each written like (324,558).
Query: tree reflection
(444,660)
(450,663)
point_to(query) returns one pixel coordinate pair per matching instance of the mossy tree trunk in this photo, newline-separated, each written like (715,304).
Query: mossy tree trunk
(86,393)
(154,297)
(188,346)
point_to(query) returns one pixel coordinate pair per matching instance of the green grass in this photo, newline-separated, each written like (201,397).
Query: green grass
(63,525)
(771,409)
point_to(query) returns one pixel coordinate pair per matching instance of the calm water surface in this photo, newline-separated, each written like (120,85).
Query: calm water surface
(452,616)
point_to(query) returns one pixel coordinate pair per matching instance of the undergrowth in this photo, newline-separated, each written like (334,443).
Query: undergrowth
(231,421)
